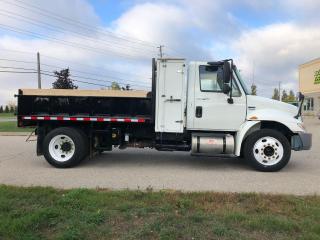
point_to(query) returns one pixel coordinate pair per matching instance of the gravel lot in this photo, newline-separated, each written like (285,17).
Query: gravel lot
(135,169)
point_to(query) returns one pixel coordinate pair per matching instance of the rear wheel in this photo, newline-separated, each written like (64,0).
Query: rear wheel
(65,147)
(267,150)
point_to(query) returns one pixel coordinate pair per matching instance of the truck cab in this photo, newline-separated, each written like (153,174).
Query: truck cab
(210,101)
(201,107)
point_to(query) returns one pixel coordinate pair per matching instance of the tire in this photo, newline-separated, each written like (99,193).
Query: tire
(65,147)
(267,150)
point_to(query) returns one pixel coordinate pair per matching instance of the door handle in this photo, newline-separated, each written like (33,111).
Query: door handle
(198,111)
(203,98)
(173,100)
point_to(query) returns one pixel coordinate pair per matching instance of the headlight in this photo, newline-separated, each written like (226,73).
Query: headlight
(301,125)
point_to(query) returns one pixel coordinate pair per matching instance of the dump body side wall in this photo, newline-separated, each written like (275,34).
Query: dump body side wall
(71,106)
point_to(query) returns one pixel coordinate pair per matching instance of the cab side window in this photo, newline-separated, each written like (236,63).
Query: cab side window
(209,80)
(235,89)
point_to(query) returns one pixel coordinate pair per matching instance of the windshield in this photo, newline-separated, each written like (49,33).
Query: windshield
(243,85)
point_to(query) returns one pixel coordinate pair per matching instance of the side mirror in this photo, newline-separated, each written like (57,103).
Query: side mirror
(226,88)
(226,72)
(300,97)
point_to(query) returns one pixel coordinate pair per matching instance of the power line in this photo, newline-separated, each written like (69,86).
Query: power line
(5,71)
(74,76)
(96,84)
(19,68)
(18,61)
(105,76)
(101,80)
(64,42)
(84,77)
(70,21)
(88,27)
(76,80)
(68,61)
(64,30)
(81,81)
(87,73)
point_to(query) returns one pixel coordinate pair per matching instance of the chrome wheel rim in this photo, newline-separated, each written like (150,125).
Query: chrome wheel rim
(268,151)
(61,148)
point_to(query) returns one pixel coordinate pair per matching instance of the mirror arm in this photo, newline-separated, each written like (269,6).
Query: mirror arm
(301,100)
(230,99)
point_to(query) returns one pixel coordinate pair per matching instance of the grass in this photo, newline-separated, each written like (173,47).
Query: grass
(12,127)
(7,115)
(46,213)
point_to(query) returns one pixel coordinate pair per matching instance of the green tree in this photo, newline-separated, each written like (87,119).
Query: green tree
(1,109)
(115,86)
(291,97)
(6,110)
(276,95)
(253,89)
(63,80)
(284,97)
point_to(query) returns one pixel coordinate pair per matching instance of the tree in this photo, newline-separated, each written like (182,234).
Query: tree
(291,97)
(6,110)
(12,106)
(276,95)
(63,80)
(284,97)
(1,109)
(126,88)
(253,89)
(115,86)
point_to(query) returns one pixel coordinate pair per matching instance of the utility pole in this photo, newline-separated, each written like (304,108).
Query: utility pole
(39,71)
(161,51)
(280,92)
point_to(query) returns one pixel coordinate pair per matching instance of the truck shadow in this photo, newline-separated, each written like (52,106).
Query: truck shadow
(152,158)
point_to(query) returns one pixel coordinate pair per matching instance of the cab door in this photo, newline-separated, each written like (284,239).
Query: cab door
(211,109)
(170,96)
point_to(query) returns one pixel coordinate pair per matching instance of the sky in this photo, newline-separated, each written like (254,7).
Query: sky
(101,41)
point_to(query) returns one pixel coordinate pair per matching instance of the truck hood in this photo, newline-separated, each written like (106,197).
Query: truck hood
(266,106)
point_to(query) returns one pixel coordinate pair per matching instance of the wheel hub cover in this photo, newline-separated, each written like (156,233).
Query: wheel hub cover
(268,151)
(66,147)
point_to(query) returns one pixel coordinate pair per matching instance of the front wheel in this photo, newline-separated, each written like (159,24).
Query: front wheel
(65,147)
(267,150)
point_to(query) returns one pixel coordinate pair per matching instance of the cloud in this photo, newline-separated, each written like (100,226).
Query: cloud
(105,57)
(160,24)
(277,41)
(104,68)
(184,27)
(276,51)
(75,10)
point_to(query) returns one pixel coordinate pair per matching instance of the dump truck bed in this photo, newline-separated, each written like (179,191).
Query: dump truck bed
(83,105)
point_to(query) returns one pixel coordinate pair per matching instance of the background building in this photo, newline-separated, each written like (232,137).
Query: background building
(309,85)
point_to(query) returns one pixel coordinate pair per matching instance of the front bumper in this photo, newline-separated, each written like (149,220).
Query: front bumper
(301,141)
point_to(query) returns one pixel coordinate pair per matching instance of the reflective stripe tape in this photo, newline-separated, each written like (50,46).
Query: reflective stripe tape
(85,119)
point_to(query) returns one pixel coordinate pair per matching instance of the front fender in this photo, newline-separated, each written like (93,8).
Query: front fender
(254,120)
(275,115)
(245,129)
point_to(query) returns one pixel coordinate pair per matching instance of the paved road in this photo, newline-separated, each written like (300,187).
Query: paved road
(2,119)
(161,170)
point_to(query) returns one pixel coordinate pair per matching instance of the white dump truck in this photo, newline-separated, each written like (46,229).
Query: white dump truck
(201,107)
